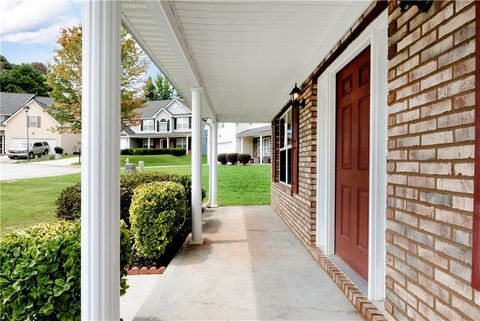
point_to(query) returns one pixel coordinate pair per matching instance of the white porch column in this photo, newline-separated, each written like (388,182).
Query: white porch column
(213,164)
(261,149)
(209,162)
(186,142)
(197,237)
(168,142)
(241,145)
(148,142)
(100,240)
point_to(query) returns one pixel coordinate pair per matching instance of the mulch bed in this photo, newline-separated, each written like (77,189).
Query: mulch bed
(146,266)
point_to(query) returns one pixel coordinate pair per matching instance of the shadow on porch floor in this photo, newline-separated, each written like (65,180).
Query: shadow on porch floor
(251,267)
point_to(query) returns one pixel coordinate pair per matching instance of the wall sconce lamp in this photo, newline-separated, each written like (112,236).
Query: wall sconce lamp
(423,6)
(295,94)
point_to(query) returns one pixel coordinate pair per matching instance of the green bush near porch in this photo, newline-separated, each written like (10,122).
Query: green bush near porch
(158,210)
(68,203)
(40,274)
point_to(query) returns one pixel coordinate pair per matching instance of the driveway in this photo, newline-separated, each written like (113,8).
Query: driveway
(11,171)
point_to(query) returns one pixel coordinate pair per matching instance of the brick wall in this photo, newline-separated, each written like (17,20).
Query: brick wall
(430,163)
(299,210)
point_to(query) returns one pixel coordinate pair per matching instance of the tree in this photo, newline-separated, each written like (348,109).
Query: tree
(164,89)
(40,67)
(4,64)
(150,90)
(65,79)
(22,78)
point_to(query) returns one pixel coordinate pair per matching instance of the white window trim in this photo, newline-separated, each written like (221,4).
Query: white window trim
(160,123)
(150,128)
(375,35)
(31,122)
(184,145)
(184,126)
(285,148)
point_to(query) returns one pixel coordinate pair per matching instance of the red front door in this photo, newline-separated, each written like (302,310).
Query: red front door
(352,163)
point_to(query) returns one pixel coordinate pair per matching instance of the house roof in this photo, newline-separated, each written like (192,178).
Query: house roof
(152,107)
(11,102)
(256,131)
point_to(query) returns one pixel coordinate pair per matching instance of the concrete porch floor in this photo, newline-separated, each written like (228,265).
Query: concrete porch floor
(251,267)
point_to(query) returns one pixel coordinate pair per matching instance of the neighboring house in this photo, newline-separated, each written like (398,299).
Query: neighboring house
(245,138)
(162,124)
(41,125)
(257,143)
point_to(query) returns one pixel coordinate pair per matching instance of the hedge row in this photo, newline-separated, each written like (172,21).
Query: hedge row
(68,203)
(154,151)
(40,274)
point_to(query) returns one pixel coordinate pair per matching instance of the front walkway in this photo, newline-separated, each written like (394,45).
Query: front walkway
(251,267)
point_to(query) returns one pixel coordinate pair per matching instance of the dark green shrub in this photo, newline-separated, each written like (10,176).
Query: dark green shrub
(68,203)
(154,151)
(157,212)
(222,158)
(178,151)
(58,150)
(244,158)
(40,272)
(232,158)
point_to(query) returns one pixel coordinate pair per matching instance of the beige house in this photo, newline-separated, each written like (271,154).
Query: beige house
(41,124)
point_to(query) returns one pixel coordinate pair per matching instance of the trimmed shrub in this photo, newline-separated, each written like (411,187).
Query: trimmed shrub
(232,158)
(178,151)
(68,203)
(157,212)
(153,151)
(244,158)
(40,274)
(222,158)
(58,150)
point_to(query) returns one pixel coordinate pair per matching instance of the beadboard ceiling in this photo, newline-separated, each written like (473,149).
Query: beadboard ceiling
(246,55)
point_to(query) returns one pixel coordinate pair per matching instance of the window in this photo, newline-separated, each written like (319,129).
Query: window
(181,143)
(148,125)
(3,118)
(182,123)
(147,143)
(162,125)
(34,121)
(265,146)
(286,147)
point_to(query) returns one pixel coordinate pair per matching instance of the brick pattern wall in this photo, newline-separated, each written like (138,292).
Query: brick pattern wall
(299,210)
(430,163)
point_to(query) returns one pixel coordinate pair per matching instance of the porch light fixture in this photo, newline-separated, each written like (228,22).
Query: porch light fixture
(423,6)
(295,94)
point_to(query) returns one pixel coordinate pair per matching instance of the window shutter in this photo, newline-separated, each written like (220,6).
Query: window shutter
(189,122)
(141,126)
(158,126)
(174,124)
(295,138)
(168,125)
(274,149)
(38,121)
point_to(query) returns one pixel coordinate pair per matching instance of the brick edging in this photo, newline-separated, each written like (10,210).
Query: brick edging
(363,305)
(145,270)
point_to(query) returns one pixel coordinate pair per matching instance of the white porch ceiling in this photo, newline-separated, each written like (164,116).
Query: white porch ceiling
(245,54)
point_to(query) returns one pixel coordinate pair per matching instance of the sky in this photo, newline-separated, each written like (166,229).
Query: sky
(29,28)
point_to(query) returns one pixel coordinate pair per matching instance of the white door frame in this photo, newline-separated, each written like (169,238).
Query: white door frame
(375,35)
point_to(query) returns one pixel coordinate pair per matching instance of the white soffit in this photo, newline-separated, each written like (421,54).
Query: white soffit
(245,54)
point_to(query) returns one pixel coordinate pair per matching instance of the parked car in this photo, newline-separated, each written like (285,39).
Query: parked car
(21,151)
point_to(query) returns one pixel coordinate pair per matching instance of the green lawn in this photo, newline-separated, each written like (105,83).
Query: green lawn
(29,201)
(158,160)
